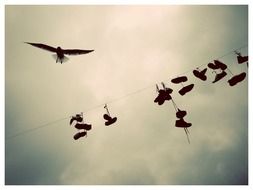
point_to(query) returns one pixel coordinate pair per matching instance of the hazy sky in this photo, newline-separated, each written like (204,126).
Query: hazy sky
(135,47)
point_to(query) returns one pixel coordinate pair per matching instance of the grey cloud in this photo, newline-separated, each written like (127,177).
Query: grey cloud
(135,46)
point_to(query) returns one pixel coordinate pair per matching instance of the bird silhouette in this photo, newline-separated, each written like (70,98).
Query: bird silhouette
(60,53)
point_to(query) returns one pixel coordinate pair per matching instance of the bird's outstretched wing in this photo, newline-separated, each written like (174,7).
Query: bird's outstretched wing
(76,51)
(43,46)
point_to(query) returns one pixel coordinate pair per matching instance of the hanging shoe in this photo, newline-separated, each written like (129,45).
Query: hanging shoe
(83,126)
(71,120)
(179,80)
(221,65)
(77,118)
(182,123)
(180,114)
(87,127)
(161,102)
(167,96)
(163,98)
(107,117)
(200,74)
(111,121)
(219,76)
(186,89)
(242,59)
(168,90)
(212,66)
(163,95)
(237,78)
(159,99)
(79,135)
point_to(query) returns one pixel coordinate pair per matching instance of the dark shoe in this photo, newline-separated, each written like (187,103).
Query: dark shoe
(182,123)
(83,126)
(242,59)
(168,90)
(161,102)
(200,74)
(79,135)
(221,65)
(71,120)
(212,66)
(237,78)
(186,89)
(179,80)
(159,99)
(167,97)
(77,118)
(180,114)
(219,76)
(111,121)
(166,94)
(163,95)
(107,117)
(87,127)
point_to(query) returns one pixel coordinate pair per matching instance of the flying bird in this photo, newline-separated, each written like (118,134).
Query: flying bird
(60,53)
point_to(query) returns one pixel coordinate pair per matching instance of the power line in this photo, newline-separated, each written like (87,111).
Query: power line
(224,55)
(36,128)
(152,85)
(116,99)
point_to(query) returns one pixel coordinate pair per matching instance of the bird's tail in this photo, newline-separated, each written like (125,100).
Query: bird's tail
(57,59)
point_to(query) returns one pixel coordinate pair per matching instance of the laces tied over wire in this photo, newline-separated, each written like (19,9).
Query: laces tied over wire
(107,111)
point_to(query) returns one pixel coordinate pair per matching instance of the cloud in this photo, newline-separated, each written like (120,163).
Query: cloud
(135,47)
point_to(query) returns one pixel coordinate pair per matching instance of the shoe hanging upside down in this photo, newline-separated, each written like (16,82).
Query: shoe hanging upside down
(219,76)
(237,78)
(182,123)
(200,74)
(186,89)
(109,119)
(79,135)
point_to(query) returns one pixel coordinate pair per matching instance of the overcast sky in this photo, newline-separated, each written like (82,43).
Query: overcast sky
(135,47)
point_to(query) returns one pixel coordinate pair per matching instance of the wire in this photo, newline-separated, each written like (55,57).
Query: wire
(186,132)
(116,99)
(36,128)
(174,104)
(224,55)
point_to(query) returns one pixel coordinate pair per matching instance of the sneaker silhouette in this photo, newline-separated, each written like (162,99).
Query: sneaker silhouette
(236,79)
(179,80)
(212,66)
(109,119)
(167,93)
(182,123)
(168,90)
(217,65)
(180,114)
(160,98)
(221,65)
(163,95)
(79,135)
(186,89)
(77,118)
(219,76)
(83,126)
(163,98)
(242,59)
(200,74)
